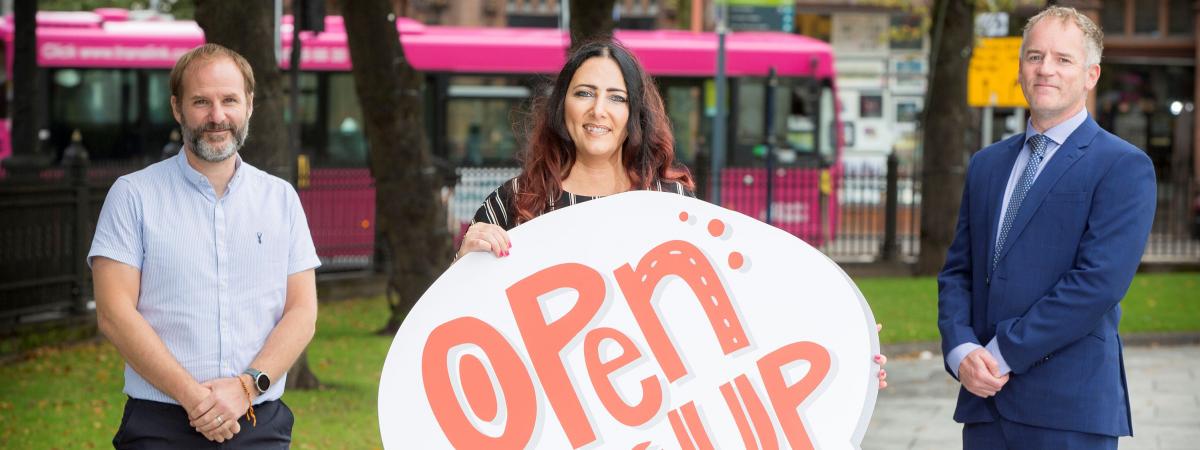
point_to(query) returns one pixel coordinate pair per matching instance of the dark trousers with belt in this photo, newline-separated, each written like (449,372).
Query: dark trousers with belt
(148,425)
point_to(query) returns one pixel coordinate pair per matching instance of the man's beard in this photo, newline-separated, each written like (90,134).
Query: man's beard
(195,142)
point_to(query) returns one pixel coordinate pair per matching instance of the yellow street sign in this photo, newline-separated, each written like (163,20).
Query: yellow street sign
(992,74)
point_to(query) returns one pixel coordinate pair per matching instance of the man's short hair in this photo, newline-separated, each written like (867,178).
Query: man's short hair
(1093,36)
(206,53)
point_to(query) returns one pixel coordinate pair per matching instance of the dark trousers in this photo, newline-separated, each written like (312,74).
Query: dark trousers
(148,425)
(1008,435)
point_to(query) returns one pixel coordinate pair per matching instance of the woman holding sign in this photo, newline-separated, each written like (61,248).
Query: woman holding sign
(603,130)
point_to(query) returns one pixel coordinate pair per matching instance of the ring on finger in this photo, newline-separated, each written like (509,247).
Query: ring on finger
(220,420)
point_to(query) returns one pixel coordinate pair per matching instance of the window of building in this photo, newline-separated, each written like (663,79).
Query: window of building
(814,25)
(870,106)
(1112,17)
(907,32)
(1148,106)
(1181,17)
(1147,17)
(908,111)
(1145,21)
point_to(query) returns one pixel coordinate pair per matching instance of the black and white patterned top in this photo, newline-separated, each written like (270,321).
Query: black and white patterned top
(499,207)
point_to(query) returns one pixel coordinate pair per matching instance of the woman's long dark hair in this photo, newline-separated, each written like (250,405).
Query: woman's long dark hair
(648,153)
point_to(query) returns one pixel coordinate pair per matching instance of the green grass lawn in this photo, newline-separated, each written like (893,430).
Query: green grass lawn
(907,307)
(70,397)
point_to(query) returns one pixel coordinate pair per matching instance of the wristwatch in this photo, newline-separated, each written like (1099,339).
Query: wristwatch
(261,381)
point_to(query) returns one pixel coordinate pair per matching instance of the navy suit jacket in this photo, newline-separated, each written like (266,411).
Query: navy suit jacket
(1052,300)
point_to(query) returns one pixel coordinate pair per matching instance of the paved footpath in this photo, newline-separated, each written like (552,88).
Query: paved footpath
(916,410)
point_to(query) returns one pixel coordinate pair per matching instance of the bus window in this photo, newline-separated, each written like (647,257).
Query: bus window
(158,100)
(827,139)
(86,95)
(346,143)
(5,94)
(480,114)
(792,122)
(748,111)
(5,119)
(801,130)
(102,105)
(684,108)
(308,99)
(311,129)
(158,121)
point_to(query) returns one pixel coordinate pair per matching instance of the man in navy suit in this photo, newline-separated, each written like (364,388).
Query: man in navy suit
(1050,231)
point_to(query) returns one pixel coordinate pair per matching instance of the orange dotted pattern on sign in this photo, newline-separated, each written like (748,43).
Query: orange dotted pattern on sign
(716,228)
(736,260)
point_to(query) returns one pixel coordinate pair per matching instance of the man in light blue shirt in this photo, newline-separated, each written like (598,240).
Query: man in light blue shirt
(203,269)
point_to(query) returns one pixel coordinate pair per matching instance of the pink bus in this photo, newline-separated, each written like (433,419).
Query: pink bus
(106,76)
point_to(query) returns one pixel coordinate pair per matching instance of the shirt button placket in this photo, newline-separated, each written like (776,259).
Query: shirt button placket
(223,306)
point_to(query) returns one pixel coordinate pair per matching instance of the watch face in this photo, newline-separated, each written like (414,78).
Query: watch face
(263,382)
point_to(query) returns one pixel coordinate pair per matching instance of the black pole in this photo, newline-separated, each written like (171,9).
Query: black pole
(769,137)
(76,160)
(888,249)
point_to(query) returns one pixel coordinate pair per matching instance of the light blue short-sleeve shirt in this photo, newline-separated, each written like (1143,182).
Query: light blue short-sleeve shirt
(213,271)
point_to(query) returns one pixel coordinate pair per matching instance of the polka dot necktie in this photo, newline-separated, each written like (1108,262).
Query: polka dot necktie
(1037,144)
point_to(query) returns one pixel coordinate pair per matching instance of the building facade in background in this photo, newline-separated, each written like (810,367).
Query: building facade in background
(1148,84)
(882,67)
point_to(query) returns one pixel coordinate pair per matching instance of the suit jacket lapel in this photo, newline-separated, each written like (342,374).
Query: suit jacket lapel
(997,181)
(1067,154)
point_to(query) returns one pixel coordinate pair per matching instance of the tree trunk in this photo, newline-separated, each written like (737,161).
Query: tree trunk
(248,28)
(300,376)
(410,213)
(590,20)
(946,121)
(26,159)
(24,128)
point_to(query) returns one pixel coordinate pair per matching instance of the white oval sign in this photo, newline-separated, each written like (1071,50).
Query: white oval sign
(640,320)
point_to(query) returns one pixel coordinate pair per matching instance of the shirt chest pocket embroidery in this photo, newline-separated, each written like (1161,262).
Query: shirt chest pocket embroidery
(266,252)
(261,274)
